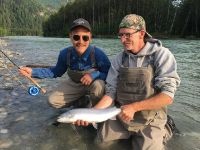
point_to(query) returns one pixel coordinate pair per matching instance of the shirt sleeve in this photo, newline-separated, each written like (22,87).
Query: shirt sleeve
(166,77)
(42,73)
(95,74)
(112,77)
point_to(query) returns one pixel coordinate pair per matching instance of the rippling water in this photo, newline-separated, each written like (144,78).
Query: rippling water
(25,121)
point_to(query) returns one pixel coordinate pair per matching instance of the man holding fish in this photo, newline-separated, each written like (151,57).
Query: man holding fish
(86,65)
(142,81)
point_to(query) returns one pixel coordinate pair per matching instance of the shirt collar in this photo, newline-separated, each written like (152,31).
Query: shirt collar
(85,55)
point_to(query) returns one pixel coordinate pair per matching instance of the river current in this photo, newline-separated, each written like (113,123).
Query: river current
(26,121)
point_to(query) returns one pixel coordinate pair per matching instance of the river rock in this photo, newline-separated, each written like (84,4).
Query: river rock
(3,113)
(3,131)
(5,143)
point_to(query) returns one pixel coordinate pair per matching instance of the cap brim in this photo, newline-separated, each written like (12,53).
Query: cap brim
(89,29)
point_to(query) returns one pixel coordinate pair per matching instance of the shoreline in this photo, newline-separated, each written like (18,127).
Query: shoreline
(162,37)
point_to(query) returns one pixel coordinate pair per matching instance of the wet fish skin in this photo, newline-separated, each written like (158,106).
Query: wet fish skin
(91,115)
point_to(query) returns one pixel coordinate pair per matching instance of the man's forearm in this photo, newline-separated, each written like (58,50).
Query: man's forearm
(156,102)
(105,102)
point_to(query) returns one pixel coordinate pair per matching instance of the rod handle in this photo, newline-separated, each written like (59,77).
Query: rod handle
(33,81)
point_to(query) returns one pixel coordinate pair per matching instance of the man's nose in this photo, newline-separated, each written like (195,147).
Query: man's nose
(81,40)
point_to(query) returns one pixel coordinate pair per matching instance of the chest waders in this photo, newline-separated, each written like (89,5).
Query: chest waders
(136,84)
(76,75)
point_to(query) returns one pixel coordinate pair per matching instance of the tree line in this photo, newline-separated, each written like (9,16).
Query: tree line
(179,18)
(163,17)
(20,17)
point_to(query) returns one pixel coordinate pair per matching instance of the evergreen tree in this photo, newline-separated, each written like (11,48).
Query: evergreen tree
(163,17)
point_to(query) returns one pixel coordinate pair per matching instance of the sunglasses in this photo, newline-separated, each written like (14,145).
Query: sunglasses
(84,37)
(126,35)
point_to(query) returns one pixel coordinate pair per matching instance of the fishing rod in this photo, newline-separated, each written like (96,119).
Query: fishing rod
(33,90)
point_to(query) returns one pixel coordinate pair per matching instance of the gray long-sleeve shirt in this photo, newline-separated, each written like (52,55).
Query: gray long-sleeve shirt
(166,78)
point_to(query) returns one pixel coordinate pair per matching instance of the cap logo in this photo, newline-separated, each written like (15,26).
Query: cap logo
(80,22)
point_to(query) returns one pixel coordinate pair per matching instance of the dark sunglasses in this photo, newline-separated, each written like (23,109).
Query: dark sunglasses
(84,37)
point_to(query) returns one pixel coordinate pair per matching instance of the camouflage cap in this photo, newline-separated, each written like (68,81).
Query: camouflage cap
(135,22)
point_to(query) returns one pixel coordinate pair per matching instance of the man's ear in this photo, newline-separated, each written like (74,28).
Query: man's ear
(70,37)
(142,34)
(70,34)
(90,36)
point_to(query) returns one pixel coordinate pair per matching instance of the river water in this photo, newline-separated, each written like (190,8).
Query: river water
(26,121)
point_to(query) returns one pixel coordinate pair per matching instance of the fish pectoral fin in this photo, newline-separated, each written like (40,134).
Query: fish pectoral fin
(94,125)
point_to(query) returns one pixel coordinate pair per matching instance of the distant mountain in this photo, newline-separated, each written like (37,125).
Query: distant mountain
(25,17)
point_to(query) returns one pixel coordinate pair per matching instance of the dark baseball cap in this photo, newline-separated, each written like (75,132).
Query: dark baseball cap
(80,22)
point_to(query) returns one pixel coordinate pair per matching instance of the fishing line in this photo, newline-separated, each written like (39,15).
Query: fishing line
(77,134)
(74,128)
(10,59)
(13,75)
(33,90)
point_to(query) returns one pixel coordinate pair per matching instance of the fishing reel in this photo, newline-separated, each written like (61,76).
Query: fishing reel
(33,90)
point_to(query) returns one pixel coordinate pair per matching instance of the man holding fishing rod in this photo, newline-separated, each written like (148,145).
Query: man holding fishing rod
(142,81)
(87,67)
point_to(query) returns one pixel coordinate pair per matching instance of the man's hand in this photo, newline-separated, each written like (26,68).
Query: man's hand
(127,112)
(86,79)
(81,123)
(25,71)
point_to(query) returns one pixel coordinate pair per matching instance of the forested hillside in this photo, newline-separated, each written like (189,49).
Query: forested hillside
(53,4)
(20,17)
(163,17)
